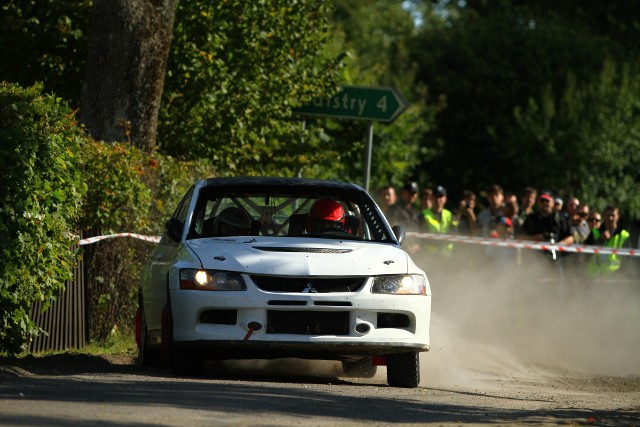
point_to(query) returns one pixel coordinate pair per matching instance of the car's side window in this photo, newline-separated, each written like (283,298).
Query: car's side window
(203,212)
(180,213)
(183,207)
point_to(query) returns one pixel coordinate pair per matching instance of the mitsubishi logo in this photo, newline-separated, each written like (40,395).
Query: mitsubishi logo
(309,289)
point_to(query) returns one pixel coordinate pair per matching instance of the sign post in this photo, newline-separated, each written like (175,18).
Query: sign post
(379,104)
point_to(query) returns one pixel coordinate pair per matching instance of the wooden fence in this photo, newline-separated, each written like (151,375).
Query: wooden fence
(65,321)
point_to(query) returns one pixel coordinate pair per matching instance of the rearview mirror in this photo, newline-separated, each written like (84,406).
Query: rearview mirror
(398,230)
(173,227)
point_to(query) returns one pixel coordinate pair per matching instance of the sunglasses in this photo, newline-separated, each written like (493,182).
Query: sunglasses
(594,219)
(583,215)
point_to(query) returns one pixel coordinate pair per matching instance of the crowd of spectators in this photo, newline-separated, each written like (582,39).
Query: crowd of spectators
(532,215)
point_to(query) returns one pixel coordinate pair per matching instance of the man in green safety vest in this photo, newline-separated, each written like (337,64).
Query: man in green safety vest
(439,220)
(611,235)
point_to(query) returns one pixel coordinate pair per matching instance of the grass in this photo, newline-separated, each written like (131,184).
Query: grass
(118,343)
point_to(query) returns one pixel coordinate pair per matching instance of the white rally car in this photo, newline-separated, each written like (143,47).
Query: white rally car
(260,268)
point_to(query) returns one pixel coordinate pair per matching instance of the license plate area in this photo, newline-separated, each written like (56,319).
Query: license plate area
(308,322)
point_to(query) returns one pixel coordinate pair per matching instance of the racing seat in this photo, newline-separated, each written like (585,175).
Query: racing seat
(208,228)
(297,224)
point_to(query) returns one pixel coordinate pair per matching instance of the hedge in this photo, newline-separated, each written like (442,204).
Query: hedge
(57,183)
(40,200)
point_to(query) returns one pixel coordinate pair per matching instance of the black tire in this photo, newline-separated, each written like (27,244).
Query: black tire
(183,360)
(403,370)
(363,368)
(147,356)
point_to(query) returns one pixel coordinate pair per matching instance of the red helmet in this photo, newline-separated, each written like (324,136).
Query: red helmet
(326,214)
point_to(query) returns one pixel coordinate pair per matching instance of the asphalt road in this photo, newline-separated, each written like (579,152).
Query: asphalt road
(507,349)
(74,389)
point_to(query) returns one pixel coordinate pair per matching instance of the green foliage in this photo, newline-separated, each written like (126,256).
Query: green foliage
(117,198)
(45,41)
(536,94)
(596,127)
(128,190)
(374,38)
(40,196)
(235,71)
(376,35)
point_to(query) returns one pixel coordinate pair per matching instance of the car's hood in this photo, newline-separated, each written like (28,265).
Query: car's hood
(300,256)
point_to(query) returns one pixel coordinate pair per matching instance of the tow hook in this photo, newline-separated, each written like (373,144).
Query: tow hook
(252,327)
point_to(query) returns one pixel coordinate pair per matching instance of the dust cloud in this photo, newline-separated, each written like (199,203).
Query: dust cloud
(275,368)
(501,312)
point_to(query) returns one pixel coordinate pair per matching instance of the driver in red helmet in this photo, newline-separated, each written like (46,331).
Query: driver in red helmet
(326,215)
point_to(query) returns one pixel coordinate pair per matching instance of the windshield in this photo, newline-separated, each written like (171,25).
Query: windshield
(234,212)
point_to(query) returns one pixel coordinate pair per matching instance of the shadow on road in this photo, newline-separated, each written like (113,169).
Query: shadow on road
(91,379)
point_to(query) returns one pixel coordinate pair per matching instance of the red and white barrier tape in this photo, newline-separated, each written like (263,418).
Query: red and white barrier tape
(89,240)
(524,244)
(515,244)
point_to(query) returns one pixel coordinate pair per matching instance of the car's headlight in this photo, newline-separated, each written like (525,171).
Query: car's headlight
(402,284)
(211,280)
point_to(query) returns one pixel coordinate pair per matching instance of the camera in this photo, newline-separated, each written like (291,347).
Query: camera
(550,237)
(467,204)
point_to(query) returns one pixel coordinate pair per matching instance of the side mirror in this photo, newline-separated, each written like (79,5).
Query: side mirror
(398,230)
(173,227)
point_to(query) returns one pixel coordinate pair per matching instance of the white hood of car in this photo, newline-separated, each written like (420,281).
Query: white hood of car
(300,256)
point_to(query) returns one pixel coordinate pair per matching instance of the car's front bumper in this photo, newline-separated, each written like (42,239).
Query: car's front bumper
(245,323)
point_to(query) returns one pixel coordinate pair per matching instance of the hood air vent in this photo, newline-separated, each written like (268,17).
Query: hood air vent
(308,250)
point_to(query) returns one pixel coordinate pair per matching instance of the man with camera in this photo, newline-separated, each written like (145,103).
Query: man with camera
(547,225)
(465,214)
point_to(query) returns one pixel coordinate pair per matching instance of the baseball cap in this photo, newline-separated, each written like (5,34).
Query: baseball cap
(547,195)
(558,201)
(441,190)
(411,187)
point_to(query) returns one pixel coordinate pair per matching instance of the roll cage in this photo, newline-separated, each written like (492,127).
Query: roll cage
(283,212)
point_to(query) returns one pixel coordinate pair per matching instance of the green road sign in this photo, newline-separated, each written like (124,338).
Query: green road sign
(380,104)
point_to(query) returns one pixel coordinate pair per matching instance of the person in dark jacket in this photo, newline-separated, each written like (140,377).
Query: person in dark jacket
(546,224)
(405,212)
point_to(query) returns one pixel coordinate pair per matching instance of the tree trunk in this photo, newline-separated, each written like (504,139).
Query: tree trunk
(125,70)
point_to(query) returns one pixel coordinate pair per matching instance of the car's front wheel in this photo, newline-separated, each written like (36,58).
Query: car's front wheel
(182,360)
(147,355)
(403,369)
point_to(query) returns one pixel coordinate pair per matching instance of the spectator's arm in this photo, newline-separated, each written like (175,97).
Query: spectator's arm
(566,241)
